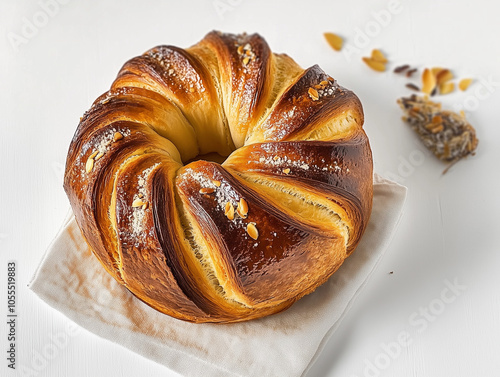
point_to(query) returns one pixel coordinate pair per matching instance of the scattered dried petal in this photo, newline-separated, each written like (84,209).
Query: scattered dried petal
(436,70)
(374,64)
(411,72)
(413,87)
(334,41)
(401,68)
(446,87)
(464,84)
(379,56)
(443,76)
(428,81)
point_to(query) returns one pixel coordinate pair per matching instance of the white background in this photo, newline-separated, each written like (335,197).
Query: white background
(450,229)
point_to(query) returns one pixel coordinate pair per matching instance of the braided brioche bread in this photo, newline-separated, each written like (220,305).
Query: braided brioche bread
(221,242)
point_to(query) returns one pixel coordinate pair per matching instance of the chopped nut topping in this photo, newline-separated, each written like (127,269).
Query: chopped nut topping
(334,41)
(89,165)
(145,205)
(246,60)
(242,208)
(90,162)
(252,231)
(240,50)
(217,183)
(206,190)
(117,136)
(286,171)
(99,155)
(313,93)
(138,203)
(464,84)
(229,211)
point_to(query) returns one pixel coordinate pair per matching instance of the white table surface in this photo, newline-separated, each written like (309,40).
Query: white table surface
(450,231)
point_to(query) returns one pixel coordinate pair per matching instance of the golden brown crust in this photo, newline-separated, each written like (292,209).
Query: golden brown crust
(207,242)
(246,63)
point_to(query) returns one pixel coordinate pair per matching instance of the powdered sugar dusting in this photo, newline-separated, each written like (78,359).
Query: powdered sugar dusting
(283,163)
(139,212)
(104,143)
(279,161)
(174,66)
(222,197)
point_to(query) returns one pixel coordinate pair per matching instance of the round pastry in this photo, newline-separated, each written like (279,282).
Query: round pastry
(222,182)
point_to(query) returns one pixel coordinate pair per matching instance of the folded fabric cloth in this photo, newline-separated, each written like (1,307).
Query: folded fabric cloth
(71,280)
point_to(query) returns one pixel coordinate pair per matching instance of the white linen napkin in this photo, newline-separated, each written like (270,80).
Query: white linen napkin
(71,280)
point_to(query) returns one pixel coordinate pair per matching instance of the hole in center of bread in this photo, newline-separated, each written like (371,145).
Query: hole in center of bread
(212,156)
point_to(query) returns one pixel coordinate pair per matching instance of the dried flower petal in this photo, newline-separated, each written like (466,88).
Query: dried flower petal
(446,87)
(464,84)
(334,41)
(443,76)
(374,64)
(428,81)
(379,56)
